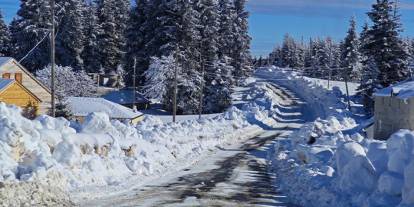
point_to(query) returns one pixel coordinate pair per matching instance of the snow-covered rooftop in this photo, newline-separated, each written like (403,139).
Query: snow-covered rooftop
(125,96)
(4,83)
(4,60)
(403,90)
(82,106)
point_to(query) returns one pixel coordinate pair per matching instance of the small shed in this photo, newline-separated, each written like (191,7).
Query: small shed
(80,107)
(14,93)
(125,97)
(11,69)
(394,109)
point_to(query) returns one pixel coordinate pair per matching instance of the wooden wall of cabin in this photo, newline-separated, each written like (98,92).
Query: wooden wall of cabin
(16,95)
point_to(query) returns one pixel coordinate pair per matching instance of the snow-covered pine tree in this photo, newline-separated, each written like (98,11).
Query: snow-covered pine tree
(226,28)
(384,43)
(321,59)
(29,28)
(4,37)
(288,52)
(136,34)
(112,24)
(240,54)
(217,88)
(90,56)
(369,77)
(350,58)
(275,58)
(70,39)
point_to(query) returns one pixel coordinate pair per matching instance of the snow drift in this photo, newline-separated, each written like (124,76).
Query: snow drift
(101,152)
(326,163)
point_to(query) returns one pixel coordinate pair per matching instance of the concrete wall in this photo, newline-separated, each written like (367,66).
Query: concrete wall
(391,115)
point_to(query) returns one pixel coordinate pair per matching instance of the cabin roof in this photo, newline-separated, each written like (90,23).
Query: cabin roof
(126,96)
(82,106)
(4,83)
(4,60)
(403,90)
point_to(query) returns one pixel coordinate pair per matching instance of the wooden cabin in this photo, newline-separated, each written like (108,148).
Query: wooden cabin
(11,69)
(14,93)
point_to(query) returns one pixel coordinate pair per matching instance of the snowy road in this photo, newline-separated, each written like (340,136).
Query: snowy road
(234,176)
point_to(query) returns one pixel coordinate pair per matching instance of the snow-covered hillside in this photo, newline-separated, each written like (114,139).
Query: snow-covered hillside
(328,163)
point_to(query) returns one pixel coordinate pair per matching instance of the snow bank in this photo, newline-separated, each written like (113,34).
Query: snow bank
(101,152)
(325,164)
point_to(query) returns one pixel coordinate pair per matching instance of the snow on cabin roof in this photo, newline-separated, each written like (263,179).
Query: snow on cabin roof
(4,83)
(4,60)
(125,96)
(403,90)
(82,106)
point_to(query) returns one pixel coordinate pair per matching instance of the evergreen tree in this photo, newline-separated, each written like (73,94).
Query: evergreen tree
(30,28)
(111,27)
(70,39)
(240,53)
(385,44)
(4,37)
(226,32)
(136,35)
(369,77)
(89,54)
(350,58)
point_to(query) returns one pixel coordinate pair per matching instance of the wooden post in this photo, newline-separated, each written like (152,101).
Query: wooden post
(134,85)
(347,92)
(52,57)
(200,109)
(175,86)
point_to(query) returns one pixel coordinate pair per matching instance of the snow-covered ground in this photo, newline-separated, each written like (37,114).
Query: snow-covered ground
(325,163)
(103,153)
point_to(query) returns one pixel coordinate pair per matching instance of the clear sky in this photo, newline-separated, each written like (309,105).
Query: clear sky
(271,19)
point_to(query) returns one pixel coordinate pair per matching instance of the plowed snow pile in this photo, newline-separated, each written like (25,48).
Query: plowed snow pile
(326,163)
(101,152)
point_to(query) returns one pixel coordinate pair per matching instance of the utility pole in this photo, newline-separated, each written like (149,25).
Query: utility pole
(52,57)
(200,112)
(134,84)
(175,85)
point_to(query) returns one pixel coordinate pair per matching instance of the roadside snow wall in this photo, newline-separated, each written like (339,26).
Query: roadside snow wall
(103,152)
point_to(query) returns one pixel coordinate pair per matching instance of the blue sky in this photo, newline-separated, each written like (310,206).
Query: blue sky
(271,19)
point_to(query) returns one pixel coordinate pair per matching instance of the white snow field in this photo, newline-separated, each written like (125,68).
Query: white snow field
(326,163)
(103,153)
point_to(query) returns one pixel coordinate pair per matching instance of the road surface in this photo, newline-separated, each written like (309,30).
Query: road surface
(236,176)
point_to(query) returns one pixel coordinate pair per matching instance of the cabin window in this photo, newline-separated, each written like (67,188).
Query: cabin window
(6,75)
(18,77)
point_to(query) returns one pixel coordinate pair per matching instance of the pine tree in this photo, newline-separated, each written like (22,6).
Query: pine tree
(226,28)
(28,29)
(369,77)
(385,44)
(136,36)
(240,54)
(89,54)
(112,23)
(4,37)
(70,39)
(350,58)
